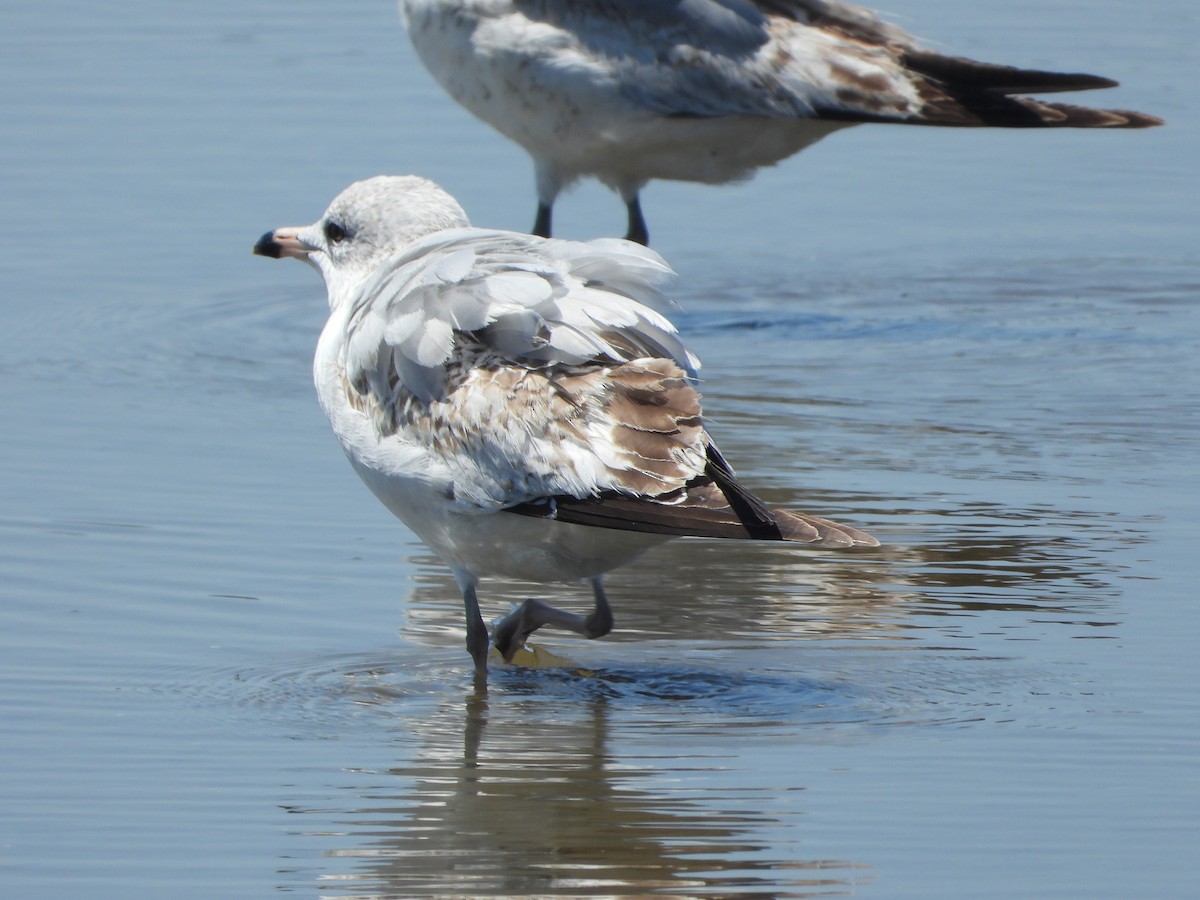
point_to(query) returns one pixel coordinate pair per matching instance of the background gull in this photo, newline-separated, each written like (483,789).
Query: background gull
(518,402)
(627,91)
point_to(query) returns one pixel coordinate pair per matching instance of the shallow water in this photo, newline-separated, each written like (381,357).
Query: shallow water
(226,671)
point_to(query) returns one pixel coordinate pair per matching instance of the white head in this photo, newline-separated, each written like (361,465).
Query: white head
(365,224)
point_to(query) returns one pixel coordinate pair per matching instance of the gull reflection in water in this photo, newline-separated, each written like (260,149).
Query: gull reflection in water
(526,798)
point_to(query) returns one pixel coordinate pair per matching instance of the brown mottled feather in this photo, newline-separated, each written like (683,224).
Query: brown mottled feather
(703,511)
(976,108)
(712,505)
(673,480)
(960,92)
(969,74)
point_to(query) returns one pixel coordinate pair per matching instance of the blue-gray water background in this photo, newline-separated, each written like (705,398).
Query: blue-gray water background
(226,671)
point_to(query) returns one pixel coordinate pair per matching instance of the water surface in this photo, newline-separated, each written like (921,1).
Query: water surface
(226,671)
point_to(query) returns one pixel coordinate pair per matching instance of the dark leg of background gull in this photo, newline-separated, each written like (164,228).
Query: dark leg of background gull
(636,232)
(541,224)
(637,224)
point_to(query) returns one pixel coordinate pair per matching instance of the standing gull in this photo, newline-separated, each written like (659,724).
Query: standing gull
(626,91)
(518,402)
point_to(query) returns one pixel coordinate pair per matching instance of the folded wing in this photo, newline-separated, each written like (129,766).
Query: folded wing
(532,301)
(713,504)
(805,59)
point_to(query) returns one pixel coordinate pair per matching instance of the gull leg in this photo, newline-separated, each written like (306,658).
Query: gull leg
(477,636)
(549,184)
(541,224)
(637,223)
(510,633)
(600,622)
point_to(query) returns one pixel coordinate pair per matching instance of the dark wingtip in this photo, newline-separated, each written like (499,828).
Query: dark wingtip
(1143,120)
(267,246)
(1073,81)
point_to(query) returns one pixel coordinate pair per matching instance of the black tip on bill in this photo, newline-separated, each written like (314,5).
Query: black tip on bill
(267,246)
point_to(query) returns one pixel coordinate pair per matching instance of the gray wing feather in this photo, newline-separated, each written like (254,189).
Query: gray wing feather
(533,300)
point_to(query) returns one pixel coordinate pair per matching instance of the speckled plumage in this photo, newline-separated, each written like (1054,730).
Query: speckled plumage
(519,402)
(627,91)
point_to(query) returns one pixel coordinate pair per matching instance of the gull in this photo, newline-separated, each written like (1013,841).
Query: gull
(626,91)
(521,403)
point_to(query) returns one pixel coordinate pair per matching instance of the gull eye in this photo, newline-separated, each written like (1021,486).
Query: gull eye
(334,233)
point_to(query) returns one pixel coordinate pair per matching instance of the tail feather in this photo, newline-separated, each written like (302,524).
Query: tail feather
(705,511)
(963,92)
(712,505)
(820,532)
(985,108)
(960,92)
(968,74)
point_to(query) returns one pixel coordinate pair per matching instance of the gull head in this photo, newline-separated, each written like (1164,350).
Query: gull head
(365,224)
